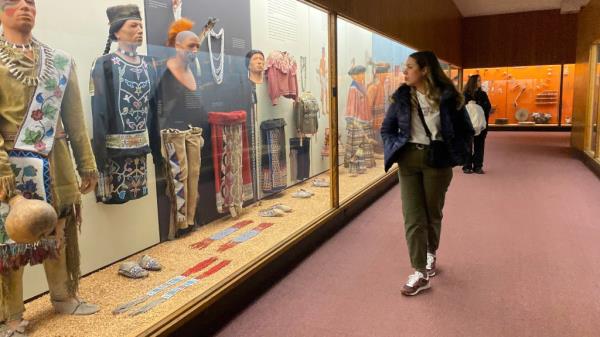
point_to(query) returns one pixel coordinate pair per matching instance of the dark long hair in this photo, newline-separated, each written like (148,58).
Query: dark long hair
(114,28)
(471,86)
(436,81)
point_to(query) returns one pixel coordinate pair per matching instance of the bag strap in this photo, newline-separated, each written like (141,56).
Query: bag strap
(422,118)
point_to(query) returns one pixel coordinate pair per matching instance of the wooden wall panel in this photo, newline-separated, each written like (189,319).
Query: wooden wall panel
(433,25)
(588,32)
(521,39)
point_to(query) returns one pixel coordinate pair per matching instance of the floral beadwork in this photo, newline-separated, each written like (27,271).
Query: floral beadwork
(39,126)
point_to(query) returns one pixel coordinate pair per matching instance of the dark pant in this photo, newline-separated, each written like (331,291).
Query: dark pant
(477,148)
(423,194)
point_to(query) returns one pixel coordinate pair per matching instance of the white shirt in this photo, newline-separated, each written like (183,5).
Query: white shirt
(432,118)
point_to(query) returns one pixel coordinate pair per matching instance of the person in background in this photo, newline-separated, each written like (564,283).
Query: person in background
(426,109)
(473,92)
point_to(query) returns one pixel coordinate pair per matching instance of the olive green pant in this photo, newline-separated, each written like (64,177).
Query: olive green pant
(423,193)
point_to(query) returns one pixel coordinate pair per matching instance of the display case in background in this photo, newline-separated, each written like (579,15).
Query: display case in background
(528,96)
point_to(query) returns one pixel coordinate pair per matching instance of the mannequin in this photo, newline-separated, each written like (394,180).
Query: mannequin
(323,74)
(123,89)
(255,63)
(379,92)
(180,103)
(358,121)
(40,108)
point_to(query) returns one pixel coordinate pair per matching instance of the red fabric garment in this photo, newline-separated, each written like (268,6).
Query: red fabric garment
(376,95)
(356,105)
(230,194)
(282,76)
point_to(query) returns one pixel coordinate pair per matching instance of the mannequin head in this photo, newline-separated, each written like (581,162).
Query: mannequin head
(255,62)
(126,27)
(18,15)
(382,71)
(187,45)
(358,74)
(184,40)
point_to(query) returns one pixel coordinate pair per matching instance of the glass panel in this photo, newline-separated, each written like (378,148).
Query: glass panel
(568,93)
(233,111)
(524,96)
(370,70)
(275,61)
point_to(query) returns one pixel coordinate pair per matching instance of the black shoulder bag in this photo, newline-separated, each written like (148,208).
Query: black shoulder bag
(438,154)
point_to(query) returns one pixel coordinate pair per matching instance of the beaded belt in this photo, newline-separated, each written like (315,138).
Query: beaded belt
(127,141)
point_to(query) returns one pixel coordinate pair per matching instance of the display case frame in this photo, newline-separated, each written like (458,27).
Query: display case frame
(592,119)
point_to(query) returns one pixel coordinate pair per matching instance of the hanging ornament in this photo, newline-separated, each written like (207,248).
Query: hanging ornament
(217,71)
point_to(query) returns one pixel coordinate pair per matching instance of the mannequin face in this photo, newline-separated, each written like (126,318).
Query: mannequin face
(188,48)
(189,44)
(383,76)
(360,78)
(18,15)
(131,33)
(413,74)
(257,64)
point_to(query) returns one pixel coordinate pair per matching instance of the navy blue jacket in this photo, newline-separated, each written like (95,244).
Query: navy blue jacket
(456,127)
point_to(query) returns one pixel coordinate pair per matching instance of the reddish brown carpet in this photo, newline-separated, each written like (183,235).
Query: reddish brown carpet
(519,256)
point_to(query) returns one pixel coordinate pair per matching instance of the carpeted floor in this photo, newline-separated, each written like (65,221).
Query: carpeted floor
(519,256)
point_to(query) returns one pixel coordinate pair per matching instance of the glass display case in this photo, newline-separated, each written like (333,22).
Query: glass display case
(528,96)
(213,134)
(210,132)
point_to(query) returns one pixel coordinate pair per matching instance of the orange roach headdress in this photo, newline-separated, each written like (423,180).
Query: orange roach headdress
(181,25)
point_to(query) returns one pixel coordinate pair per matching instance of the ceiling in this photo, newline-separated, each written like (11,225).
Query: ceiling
(491,7)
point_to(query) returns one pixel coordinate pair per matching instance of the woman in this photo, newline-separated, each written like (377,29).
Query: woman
(473,92)
(428,96)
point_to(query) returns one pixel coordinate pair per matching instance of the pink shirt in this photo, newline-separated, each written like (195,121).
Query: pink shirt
(281,76)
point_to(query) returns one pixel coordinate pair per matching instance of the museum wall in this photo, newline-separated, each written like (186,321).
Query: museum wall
(588,32)
(521,39)
(431,25)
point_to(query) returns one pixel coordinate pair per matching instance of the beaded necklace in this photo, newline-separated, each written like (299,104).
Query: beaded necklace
(8,51)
